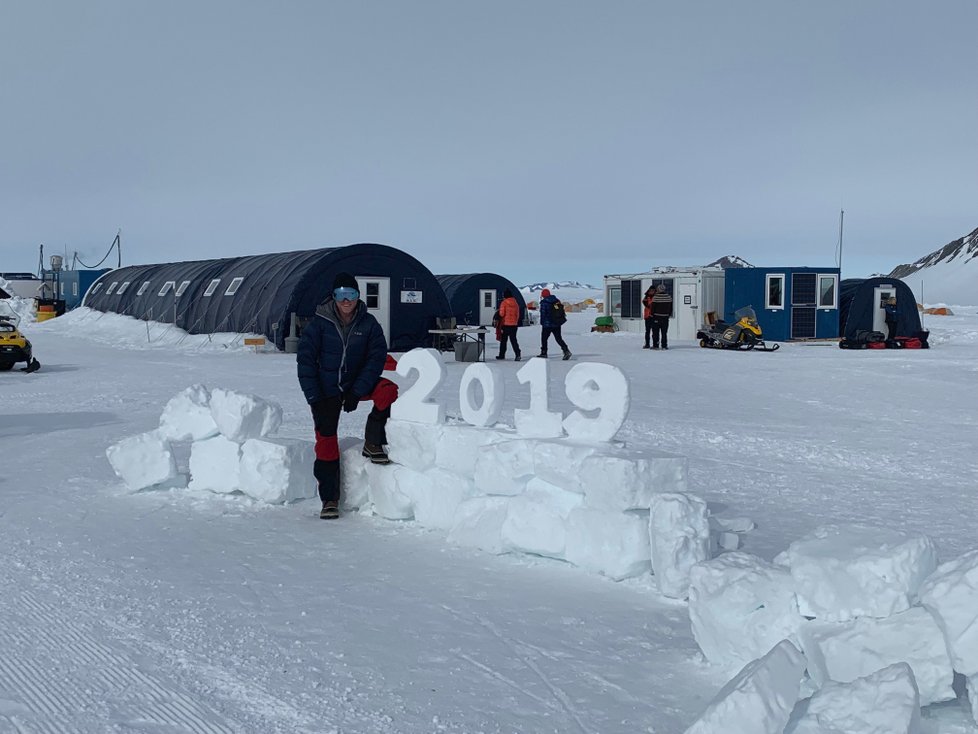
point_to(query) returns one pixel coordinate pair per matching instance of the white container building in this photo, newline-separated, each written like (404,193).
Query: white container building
(695,292)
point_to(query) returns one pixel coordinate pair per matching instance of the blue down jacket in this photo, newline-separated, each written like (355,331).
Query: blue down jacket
(329,364)
(546,308)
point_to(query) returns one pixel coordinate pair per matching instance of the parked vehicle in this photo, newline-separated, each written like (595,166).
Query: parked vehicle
(14,346)
(744,334)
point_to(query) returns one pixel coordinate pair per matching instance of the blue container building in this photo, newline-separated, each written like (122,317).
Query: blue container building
(790,303)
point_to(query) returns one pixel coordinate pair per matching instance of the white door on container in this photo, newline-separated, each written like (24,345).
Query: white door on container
(880,296)
(687,311)
(487,306)
(376,293)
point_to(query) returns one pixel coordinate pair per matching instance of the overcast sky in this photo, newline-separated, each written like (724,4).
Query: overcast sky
(540,139)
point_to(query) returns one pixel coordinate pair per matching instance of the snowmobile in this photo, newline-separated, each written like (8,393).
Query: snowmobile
(744,334)
(14,346)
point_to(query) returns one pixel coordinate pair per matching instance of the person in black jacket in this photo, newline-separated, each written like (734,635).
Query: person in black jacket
(341,356)
(890,314)
(661,311)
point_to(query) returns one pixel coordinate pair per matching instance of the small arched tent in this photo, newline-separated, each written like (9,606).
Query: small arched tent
(861,306)
(260,293)
(474,297)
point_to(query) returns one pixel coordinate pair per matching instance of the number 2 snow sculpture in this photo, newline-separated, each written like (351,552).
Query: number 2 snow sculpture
(413,403)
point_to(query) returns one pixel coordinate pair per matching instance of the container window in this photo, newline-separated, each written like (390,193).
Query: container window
(143,288)
(122,288)
(182,288)
(233,287)
(614,299)
(111,289)
(827,291)
(774,290)
(167,287)
(212,286)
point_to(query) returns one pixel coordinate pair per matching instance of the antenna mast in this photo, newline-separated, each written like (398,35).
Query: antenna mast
(842,214)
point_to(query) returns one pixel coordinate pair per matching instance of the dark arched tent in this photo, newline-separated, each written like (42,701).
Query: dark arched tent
(861,306)
(474,297)
(260,293)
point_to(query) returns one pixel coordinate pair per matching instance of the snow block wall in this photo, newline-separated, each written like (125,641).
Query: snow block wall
(882,627)
(232,449)
(490,488)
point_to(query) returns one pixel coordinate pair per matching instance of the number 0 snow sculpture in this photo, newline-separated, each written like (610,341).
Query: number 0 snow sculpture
(493,391)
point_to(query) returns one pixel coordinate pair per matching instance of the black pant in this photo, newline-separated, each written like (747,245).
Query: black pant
(326,418)
(509,332)
(890,329)
(660,329)
(648,329)
(545,333)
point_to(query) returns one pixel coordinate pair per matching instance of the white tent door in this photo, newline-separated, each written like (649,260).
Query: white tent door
(686,309)
(376,293)
(880,295)
(487,306)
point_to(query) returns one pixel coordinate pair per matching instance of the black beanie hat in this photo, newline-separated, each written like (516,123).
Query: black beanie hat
(507,293)
(345,280)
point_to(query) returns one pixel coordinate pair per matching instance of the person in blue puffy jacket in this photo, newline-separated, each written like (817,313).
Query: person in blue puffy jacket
(549,325)
(342,354)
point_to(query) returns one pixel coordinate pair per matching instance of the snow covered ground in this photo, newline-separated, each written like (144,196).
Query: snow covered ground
(190,611)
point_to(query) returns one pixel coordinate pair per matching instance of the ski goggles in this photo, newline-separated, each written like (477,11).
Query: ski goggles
(346,294)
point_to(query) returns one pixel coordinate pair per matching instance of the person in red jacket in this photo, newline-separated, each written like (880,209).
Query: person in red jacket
(647,314)
(509,317)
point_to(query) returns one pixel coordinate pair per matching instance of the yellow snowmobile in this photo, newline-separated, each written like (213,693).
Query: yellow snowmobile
(14,346)
(744,334)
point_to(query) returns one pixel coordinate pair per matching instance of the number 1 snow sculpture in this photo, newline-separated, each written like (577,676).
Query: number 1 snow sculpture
(594,386)
(413,404)
(493,391)
(537,421)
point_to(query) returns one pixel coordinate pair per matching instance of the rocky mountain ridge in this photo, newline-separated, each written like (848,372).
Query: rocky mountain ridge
(965,248)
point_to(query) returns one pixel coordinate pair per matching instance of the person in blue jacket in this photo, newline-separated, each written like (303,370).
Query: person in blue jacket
(342,354)
(890,311)
(549,325)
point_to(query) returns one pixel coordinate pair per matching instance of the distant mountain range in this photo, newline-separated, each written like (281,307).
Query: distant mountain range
(947,275)
(965,248)
(558,285)
(729,261)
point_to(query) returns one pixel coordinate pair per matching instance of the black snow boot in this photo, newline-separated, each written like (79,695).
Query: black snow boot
(375,453)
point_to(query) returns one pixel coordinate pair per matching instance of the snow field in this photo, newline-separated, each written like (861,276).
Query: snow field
(846,595)
(860,653)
